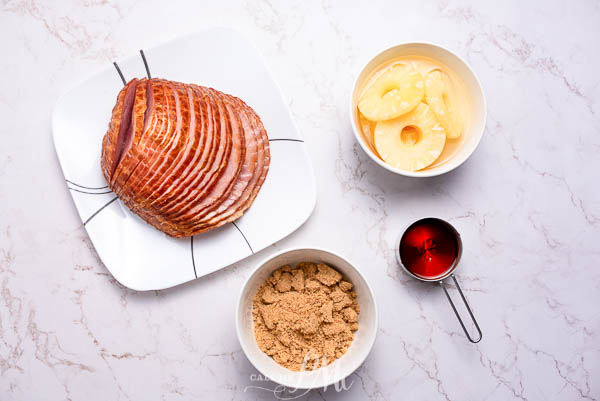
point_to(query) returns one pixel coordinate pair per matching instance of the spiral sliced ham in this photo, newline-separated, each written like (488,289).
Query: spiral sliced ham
(183,157)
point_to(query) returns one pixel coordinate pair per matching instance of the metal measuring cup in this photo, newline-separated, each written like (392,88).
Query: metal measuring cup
(449,273)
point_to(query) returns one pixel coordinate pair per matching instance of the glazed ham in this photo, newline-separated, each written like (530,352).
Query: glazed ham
(183,157)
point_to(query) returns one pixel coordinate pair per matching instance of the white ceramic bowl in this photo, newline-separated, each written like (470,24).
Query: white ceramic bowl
(364,337)
(464,72)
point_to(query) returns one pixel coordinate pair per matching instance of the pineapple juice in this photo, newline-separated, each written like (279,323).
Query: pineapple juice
(460,99)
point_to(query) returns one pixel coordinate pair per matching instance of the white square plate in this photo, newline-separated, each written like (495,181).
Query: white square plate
(139,256)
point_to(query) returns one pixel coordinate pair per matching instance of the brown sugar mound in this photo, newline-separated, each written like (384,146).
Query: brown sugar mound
(305,316)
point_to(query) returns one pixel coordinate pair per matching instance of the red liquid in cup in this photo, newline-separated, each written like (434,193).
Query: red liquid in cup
(429,248)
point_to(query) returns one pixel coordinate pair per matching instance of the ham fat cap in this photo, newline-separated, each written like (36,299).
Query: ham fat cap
(183,157)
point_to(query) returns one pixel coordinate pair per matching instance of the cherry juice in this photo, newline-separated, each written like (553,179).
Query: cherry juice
(429,248)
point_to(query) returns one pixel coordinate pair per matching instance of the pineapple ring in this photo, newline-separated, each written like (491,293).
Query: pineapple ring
(439,96)
(412,141)
(395,92)
(367,128)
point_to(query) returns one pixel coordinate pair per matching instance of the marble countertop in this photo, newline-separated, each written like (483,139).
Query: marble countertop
(526,203)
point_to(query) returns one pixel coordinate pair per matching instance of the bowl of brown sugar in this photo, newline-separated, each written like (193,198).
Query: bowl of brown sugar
(306,318)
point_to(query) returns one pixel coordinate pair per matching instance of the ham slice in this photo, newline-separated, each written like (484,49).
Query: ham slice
(225,184)
(203,185)
(109,142)
(183,157)
(249,177)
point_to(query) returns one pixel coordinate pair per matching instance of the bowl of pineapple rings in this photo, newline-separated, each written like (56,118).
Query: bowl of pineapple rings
(418,110)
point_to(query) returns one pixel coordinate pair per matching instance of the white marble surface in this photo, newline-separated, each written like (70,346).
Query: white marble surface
(527,204)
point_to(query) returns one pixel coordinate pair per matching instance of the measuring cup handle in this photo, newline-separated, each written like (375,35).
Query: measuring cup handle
(468,309)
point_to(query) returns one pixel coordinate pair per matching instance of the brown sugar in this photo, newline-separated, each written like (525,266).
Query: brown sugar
(305,316)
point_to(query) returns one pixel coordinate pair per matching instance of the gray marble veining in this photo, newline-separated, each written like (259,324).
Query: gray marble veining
(527,204)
